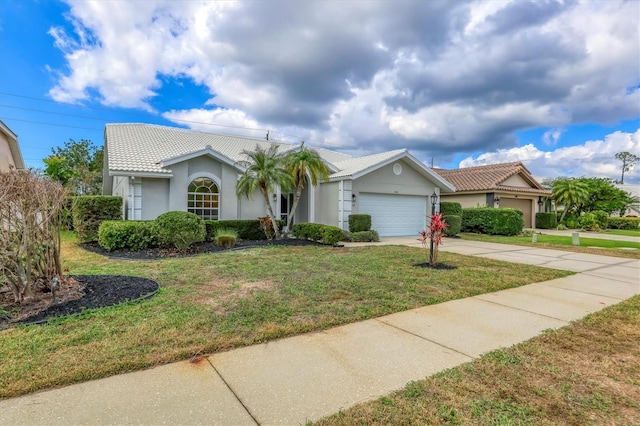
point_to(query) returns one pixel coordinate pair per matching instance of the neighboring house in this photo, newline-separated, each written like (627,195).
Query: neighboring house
(158,169)
(10,155)
(634,192)
(497,185)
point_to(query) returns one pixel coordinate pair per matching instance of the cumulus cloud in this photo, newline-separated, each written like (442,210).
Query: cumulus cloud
(438,77)
(592,158)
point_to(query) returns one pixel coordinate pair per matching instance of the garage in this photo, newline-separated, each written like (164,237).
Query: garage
(394,215)
(522,205)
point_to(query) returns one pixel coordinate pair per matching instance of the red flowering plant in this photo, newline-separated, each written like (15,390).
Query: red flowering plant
(433,236)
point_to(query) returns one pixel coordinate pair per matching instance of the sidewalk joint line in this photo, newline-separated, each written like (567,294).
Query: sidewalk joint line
(520,309)
(583,292)
(233,392)
(424,338)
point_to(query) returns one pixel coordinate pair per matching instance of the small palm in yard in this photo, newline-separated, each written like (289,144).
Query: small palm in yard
(570,193)
(300,164)
(264,171)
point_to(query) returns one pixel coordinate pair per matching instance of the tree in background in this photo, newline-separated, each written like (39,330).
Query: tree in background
(603,195)
(299,164)
(77,165)
(629,160)
(264,171)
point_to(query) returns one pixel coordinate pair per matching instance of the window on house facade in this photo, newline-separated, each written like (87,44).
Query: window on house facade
(204,198)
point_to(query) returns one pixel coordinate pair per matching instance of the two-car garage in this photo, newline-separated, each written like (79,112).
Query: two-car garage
(394,214)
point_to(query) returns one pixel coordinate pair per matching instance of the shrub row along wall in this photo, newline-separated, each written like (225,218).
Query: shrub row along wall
(546,220)
(141,234)
(623,222)
(325,234)
(90,211)
(359,222)
(487,220)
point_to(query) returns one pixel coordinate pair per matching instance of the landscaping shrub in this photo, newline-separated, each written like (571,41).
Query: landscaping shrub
(602,218)
(127,234)
(317,232)
(359,222)
(331,234)
(90,211)
(247,229)
(454,222)
(308,231)
(226,237)
(546,220)
(589,222)
(365,236)
(179,229)
(561,227)
(450,208)
(623,223)
(487,220)
(66,214)
(346,235)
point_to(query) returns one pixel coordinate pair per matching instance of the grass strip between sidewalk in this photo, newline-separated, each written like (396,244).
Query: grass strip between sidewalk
(220,301)
(587,373)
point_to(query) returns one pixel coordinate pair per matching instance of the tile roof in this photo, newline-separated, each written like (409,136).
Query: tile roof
(353,166)
(491,178)
(137,147)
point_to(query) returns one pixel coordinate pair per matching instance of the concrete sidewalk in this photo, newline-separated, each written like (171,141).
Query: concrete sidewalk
(306,377)
(584,234)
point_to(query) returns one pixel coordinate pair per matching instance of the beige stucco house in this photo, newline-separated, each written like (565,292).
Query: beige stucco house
(158,169)
(497,185)
(10,155)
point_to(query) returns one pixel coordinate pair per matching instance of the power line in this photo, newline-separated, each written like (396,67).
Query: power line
(113,110)
(50,124)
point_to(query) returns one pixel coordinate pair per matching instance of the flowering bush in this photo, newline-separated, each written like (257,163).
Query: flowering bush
(432,237)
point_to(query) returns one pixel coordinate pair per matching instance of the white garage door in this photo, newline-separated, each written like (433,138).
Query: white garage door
(394,215)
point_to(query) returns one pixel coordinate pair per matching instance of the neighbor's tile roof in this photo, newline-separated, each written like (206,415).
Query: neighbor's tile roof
(137,147)
(491,177)
(353,166)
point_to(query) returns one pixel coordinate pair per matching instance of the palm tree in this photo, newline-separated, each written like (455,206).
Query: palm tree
(570,192)
(264,170)
(302,165)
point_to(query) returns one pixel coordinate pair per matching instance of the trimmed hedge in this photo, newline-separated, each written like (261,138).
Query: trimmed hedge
(325,234)
(546,220)
(359,222)
(454,222)
(623,222)
(450,208)
(493,221)
(179,229)
(365,236)
(127,234)
(247,229)
(90,211)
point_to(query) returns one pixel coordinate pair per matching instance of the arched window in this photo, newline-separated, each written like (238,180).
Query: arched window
(204,198)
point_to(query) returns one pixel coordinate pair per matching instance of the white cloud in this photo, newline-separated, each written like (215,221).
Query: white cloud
(448,77)
(591,159)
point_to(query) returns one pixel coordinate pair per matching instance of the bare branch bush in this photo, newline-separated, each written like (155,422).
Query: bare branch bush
(30,207)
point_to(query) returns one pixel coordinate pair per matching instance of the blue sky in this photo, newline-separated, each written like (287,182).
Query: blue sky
(551,83)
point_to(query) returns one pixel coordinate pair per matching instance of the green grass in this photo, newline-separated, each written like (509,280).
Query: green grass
(625,232)
(592,245)
(584,374)
(219,301)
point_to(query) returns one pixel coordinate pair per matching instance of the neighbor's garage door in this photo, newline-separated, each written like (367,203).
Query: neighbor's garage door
(523,205)
(394,215)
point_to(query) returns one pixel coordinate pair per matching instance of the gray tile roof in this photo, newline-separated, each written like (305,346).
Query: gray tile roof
(137,147)
(353,166)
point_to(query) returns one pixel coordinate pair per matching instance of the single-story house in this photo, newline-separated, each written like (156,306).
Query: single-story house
(10,155)
(497,185)
(634,192)
(158,169)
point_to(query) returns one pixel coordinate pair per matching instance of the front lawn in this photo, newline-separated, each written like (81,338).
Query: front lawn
(219,301)
(587,245)
(587,373)
(625,232)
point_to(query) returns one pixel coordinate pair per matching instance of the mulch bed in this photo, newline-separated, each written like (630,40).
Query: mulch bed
(440,266)
(195,249)
(80,293)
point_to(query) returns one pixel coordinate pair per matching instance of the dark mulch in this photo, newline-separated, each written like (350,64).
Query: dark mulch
(99,291)
(195,249)
(442,266)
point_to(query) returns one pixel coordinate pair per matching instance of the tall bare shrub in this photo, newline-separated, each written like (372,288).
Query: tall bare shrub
(30,207)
